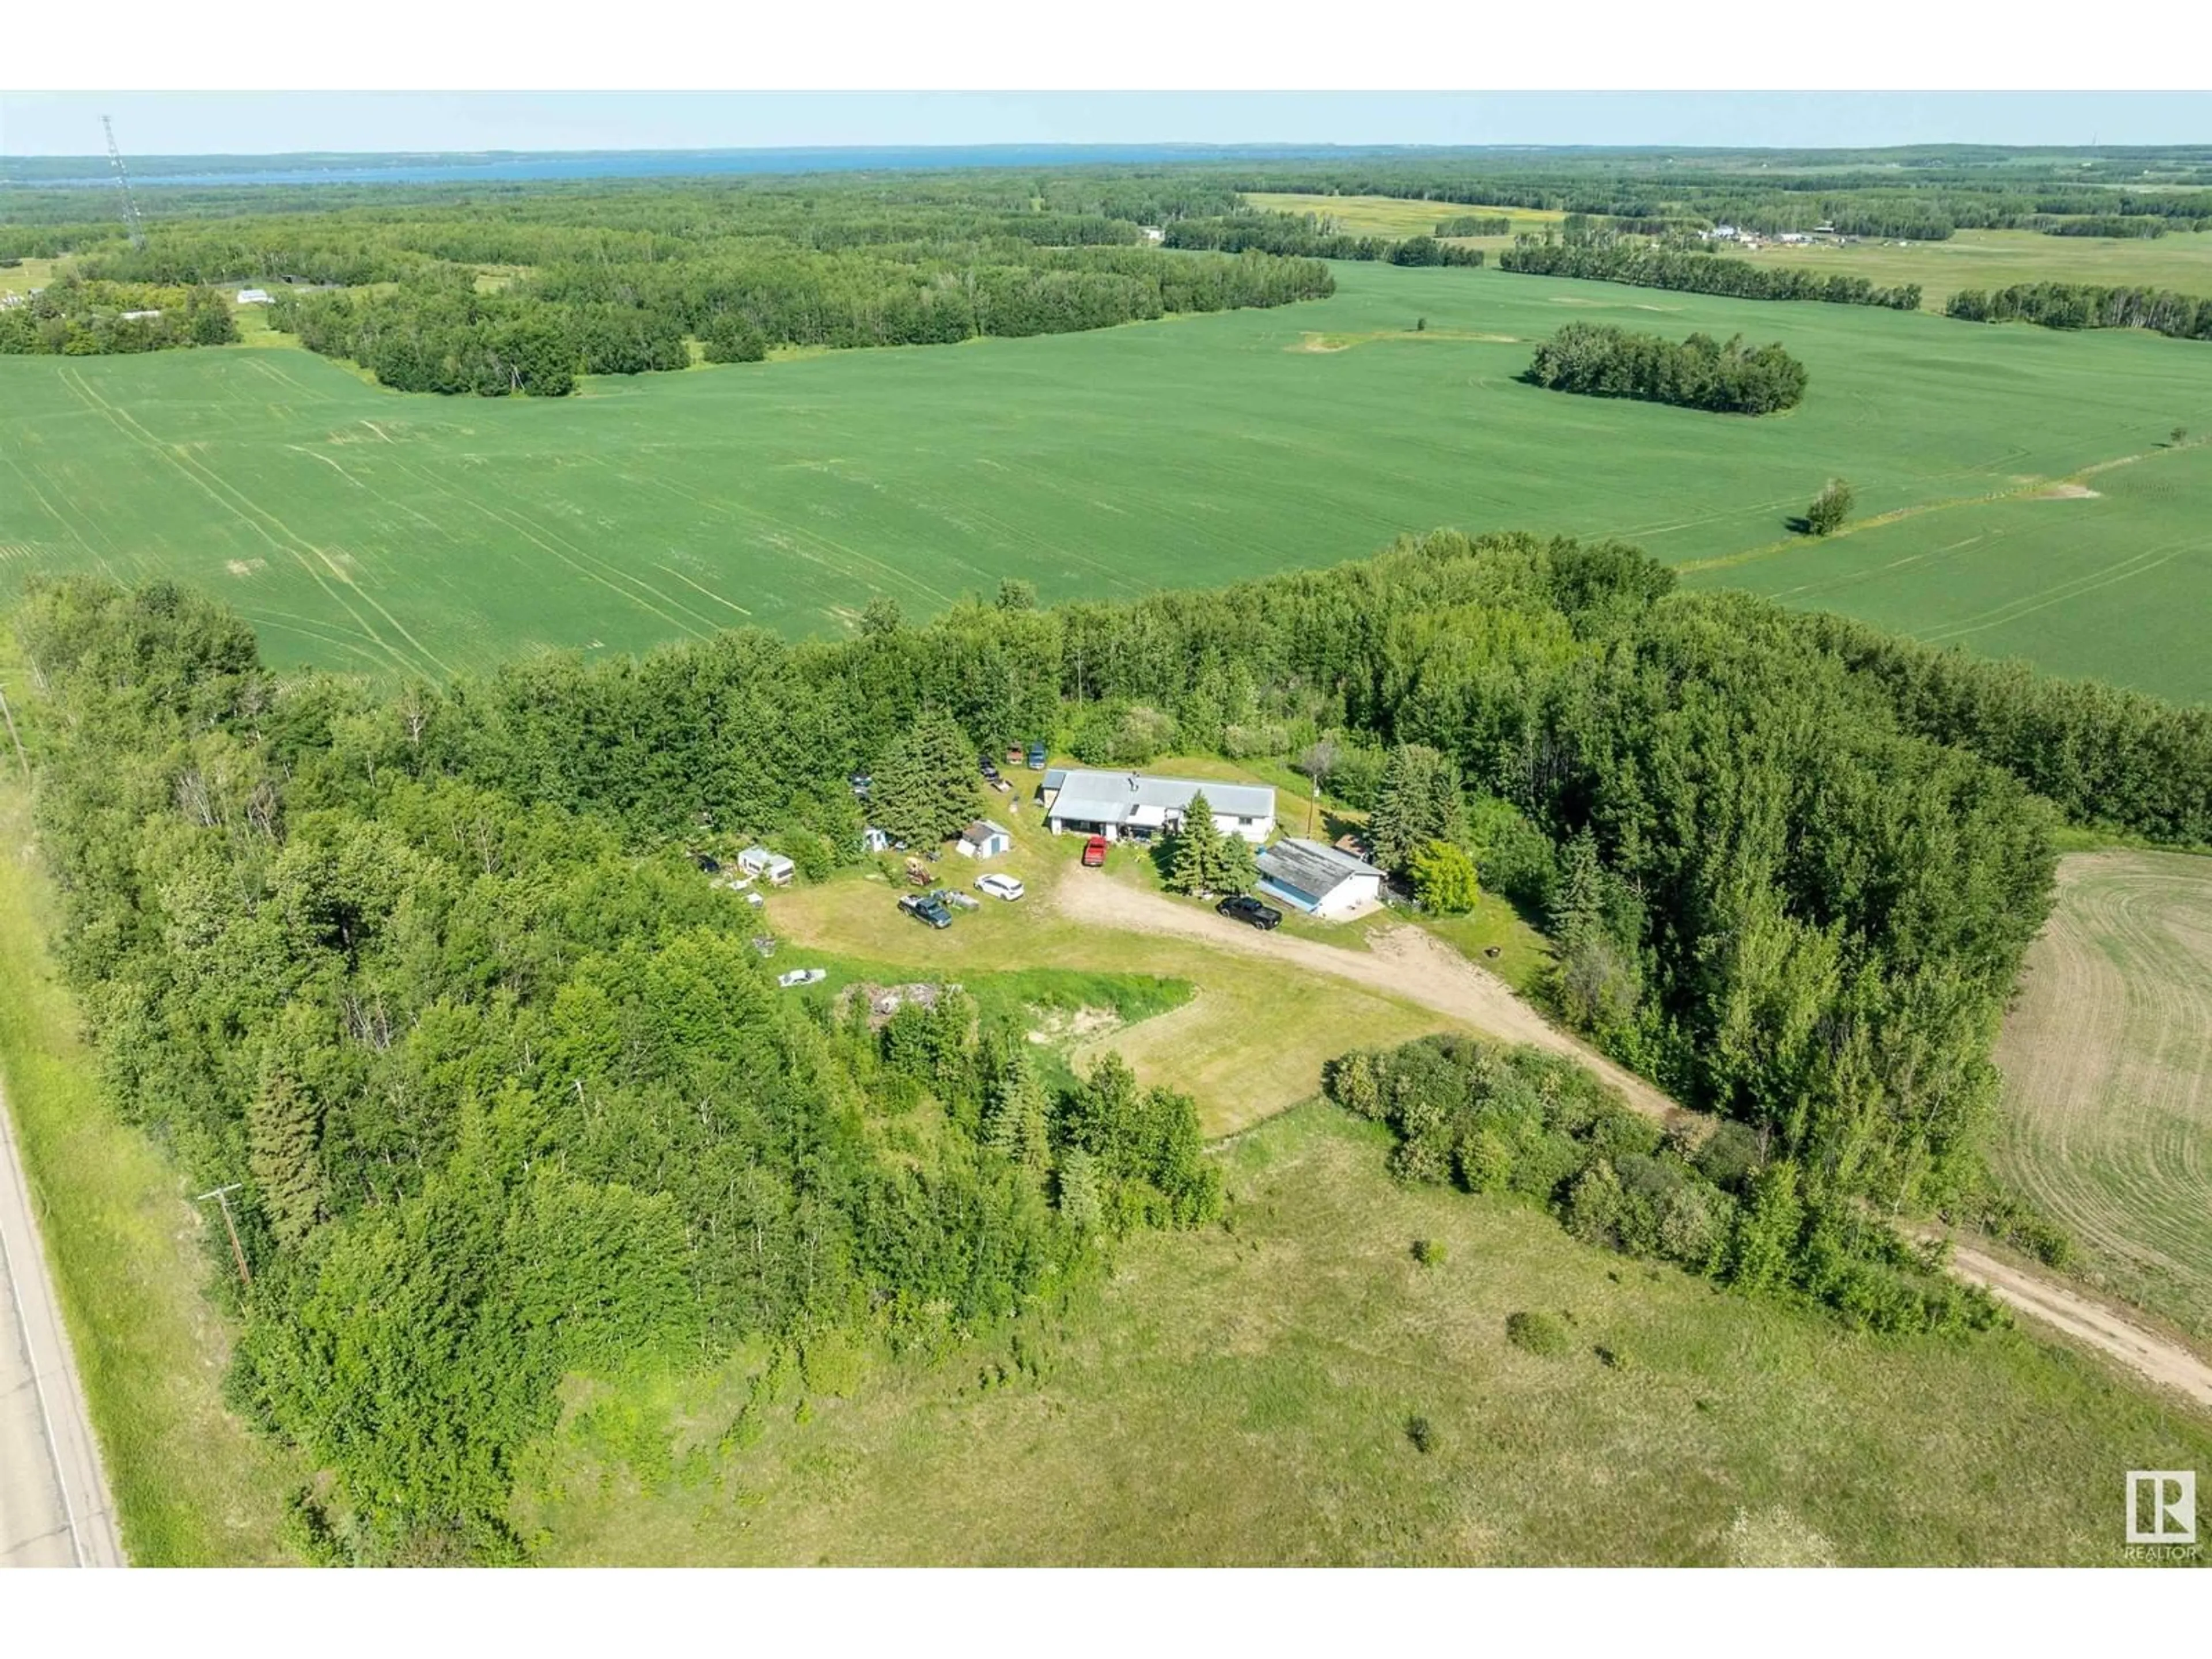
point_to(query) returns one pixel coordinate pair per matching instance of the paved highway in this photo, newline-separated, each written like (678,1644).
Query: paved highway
(55,1510)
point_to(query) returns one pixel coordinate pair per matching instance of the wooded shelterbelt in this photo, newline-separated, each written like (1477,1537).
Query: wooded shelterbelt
(1601,362)
(429,971)
(2083,304)
(1305,234)
(1607,259)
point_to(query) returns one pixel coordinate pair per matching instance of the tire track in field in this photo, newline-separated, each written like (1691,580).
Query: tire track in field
(2072,589)
(785,533)
(67,526)
(243,507)
(608,576)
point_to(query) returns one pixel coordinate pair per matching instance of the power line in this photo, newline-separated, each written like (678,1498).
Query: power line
(222,1196)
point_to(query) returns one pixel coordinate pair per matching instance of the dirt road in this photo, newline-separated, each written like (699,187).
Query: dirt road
(2087,1321)
(55,1510)
(1402,962)
(1406,962)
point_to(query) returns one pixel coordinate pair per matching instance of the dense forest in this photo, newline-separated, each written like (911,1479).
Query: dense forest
(1640,265)
(431,971)
(2082,305)
(523,292)
(1923,194)
(1599,360)
(439,333)
(73,317)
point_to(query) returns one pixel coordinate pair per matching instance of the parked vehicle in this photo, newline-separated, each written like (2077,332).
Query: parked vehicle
(1036,757)
(1094,852)
(987,767)
(997,886)
(925,907)
(959,901)
(861,784)
(917,872)
(802,977)
(1243,907)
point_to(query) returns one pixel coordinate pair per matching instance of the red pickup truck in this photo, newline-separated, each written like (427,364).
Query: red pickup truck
(1094,852)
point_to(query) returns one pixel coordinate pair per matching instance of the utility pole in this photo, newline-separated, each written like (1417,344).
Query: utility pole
(222,1196)
(5,715)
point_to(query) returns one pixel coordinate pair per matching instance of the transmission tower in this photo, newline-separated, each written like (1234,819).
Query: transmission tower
(131,214)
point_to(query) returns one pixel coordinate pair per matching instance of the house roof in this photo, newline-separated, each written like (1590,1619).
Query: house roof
(1135,797)
(1311,867)
(982,830)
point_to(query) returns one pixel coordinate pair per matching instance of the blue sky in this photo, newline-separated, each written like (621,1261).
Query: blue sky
(151,124)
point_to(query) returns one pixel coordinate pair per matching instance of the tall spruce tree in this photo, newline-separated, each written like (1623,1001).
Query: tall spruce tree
(1238,870)
(925,790)
(1196,855)
(1421,800)
(1017,1122)
(282,1132)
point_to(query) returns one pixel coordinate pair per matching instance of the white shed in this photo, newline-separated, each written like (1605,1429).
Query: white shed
(254,297)
(873,840)
(985,839)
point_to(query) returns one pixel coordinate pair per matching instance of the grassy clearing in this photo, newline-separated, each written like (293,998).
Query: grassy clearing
(1392,216)
(363,528)
(1245,1396)
(1998,258)
(2107,1058)
(191,1486)
(1250,1041)
(23,277)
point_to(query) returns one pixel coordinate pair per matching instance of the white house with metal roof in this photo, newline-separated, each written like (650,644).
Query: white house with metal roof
(1319,879)
(1136,807)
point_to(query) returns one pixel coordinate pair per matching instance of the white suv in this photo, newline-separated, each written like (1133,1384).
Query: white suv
(998,886)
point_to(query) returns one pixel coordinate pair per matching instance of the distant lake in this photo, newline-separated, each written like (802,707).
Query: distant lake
(647,164)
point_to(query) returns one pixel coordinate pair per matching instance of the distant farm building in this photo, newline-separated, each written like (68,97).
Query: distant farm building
(1319,879)
(254,297)
(985,839)
(772,868)
(1134,806)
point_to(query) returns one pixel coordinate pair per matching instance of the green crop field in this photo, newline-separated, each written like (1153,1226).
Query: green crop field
(2107,1059)
(359,527)
(1242,1395)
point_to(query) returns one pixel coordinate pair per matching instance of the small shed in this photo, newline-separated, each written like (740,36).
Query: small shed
(772,868)
(254,297)
(873,840)
(986,840)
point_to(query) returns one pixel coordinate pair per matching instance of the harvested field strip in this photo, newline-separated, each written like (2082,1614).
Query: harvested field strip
(2107,1059)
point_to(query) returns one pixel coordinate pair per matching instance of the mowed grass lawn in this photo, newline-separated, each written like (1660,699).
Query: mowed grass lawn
(363,528)
(1242,1395)
(2107,1061)
(1251,1041)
